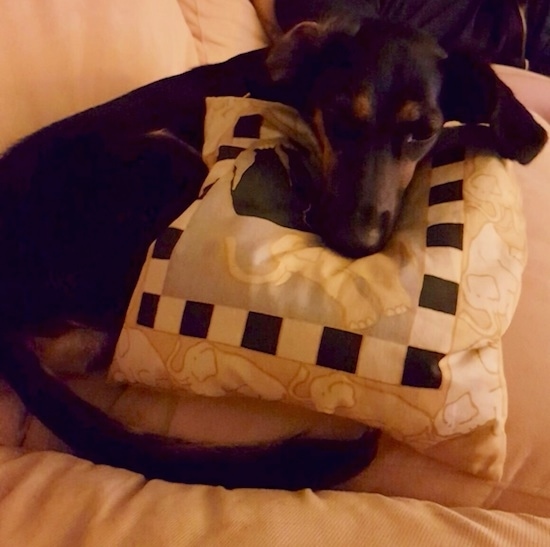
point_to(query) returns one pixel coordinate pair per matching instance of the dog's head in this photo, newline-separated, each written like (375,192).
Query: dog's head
(376,95)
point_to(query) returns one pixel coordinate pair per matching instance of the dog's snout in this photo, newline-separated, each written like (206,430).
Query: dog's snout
(370,232)
(360,202)
(359,235)
(375,230)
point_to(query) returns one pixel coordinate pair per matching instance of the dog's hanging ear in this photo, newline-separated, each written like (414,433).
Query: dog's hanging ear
(473,93)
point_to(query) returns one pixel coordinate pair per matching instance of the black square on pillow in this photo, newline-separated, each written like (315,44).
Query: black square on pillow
(196,319)
(261,332)
(226,152)
(339,350)
(422,368)
(148,309)
(445,235)
(439,295)
(248,127)
(446,193)
(166,242)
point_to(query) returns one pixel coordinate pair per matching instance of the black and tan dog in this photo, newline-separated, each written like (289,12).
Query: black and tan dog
(81,201)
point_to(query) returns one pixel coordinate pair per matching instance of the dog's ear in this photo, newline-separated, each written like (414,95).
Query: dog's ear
(472,93)
(300,53)
(291,51)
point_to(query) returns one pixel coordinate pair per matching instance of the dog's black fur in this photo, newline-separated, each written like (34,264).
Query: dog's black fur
(82,199)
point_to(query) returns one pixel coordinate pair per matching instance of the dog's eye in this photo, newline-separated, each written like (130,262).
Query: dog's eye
(412,138)
(416,145)
(422,133)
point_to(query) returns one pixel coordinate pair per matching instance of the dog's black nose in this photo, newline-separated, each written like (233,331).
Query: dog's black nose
(359,235)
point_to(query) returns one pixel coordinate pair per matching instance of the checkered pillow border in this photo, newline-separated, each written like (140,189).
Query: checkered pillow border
(317,344)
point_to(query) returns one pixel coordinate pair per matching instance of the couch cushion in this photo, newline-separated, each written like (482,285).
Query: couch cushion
(59,57)
(54,499)
(222,28)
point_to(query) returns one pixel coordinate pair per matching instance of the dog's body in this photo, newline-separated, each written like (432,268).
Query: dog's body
(82,199)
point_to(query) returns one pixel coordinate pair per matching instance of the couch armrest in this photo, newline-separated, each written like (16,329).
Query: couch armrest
(49,499)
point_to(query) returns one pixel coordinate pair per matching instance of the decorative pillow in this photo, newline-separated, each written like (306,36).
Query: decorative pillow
(237,297)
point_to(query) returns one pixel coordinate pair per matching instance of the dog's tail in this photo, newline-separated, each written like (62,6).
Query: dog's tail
(292,464)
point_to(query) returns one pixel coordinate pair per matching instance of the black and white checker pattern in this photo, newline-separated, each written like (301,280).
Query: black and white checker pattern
(415,364)
(433,327)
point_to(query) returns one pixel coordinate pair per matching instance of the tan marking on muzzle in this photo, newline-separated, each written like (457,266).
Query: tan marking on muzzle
(328,159)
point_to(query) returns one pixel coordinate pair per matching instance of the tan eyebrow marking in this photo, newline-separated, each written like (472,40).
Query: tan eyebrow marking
(411,111)
(362,106)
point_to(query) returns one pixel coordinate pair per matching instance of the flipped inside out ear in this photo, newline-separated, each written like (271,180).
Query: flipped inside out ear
(292,50)
(472,93)
(298,54)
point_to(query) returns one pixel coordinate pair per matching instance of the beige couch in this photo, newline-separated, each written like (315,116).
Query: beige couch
(61,56)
